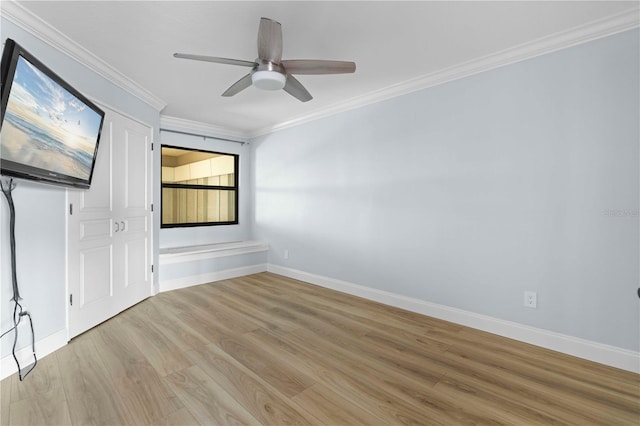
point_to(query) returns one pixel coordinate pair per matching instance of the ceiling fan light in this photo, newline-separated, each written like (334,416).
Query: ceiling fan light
(268,80)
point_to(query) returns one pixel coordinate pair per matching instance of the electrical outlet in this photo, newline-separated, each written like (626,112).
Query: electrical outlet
(530,299)
(286,253)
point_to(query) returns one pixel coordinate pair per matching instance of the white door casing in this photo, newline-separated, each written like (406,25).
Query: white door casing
(109,228)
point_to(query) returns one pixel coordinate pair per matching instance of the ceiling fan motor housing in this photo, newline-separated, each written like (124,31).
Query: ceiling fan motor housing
(268,76)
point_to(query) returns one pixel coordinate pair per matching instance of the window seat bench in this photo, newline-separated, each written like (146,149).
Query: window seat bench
(198,264)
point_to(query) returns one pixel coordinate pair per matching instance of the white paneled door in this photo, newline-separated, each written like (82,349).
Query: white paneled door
(109,227)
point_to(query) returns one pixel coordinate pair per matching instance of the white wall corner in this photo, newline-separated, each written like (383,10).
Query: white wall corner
(23,18)
(592,351)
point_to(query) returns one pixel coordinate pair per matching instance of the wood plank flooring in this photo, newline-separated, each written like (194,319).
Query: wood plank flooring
(266,349)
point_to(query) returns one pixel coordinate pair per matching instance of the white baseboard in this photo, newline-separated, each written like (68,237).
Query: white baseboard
(191,280)
(43,348)
(592,351)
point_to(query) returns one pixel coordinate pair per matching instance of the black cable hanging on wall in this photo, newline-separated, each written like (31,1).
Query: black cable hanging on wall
(18,311)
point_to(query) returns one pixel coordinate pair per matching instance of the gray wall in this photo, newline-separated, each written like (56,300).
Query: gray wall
(41,209)
(467,194)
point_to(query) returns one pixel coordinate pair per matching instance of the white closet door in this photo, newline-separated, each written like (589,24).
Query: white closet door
(132,165)
(109,235)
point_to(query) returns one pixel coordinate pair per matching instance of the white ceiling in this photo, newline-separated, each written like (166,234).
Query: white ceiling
(397,46)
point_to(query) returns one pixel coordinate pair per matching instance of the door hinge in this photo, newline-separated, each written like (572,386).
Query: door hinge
(71,299)
(151,206)
(151,147)
(151,268)
(70,209)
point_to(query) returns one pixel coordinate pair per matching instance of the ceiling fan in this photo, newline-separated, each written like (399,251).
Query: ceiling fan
(269,71)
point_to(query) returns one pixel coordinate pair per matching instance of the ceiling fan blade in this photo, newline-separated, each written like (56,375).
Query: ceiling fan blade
(296,89)
(226,61)
(270,40)
(314,66)
(238,86)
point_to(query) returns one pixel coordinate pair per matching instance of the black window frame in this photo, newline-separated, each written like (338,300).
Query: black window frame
(235,188)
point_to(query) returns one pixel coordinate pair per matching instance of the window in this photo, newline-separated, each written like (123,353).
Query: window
(198,187)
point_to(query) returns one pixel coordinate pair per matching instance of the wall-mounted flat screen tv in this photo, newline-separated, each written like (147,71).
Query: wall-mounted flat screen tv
(49,132)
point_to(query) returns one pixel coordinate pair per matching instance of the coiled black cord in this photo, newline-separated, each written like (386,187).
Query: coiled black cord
(18,311)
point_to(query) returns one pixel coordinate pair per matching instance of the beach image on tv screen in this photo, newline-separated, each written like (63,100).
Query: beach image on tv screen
(47,127)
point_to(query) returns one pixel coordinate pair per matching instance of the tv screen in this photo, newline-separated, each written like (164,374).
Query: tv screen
(49,131)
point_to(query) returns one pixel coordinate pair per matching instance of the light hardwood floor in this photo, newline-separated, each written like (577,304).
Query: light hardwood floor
(266,349)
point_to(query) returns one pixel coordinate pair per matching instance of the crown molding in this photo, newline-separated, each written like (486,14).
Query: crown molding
(204,129)
(626,20)
(23,18)
(590,31)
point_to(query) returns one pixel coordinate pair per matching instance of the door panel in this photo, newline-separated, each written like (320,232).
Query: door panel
(136,224)
(135,153)
(95,287)
(99,198)
(136,261)
(95,229)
